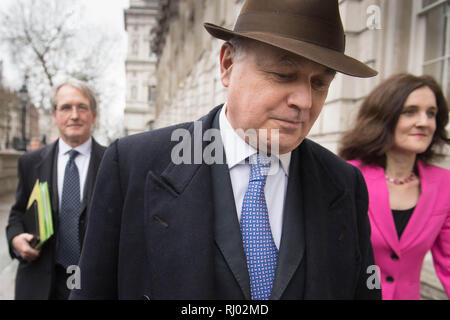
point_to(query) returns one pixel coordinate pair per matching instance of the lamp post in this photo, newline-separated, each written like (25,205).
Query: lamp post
(8,125)
(23,96)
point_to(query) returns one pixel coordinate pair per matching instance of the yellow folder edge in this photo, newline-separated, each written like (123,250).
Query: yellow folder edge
(36,196)
(41,195)
(47,211)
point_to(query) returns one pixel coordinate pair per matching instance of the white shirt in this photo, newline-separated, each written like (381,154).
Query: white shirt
(236,151)
(81,161)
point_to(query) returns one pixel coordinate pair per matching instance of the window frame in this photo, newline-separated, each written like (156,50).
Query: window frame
(420,15)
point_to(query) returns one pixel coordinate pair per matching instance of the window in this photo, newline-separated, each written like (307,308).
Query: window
(151,94)
(436,60)
(427,3)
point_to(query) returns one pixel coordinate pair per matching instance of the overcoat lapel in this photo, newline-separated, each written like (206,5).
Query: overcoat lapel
(94,163)
(379,207)
(227,229)
(226,226)
(179,231)
(46,169)
(424,208)
(292,246)
(324,204)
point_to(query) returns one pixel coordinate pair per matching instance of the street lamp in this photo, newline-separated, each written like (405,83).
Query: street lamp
(23,96)
(8,125)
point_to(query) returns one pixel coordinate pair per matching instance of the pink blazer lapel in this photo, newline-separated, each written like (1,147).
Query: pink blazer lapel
(428,196)
(379,207)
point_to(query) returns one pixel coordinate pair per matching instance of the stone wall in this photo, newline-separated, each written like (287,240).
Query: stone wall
(8,172)
(188,69)
(140,19)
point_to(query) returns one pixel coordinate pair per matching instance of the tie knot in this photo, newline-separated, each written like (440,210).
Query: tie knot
(260,166)
(73,154)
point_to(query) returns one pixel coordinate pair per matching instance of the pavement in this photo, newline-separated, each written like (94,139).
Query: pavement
(8,266)
(431,288)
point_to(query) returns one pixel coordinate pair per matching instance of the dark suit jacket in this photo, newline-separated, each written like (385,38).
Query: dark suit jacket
(34,279)
(163,231)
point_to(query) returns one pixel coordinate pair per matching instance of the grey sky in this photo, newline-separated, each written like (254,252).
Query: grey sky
(107,15)
(98,12)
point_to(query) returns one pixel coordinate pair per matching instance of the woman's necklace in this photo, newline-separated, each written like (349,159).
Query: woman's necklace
(411,177)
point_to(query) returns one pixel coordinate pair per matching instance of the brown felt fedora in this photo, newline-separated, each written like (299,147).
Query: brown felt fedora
(309,28)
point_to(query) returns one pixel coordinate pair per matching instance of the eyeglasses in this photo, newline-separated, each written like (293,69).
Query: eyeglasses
(66,108)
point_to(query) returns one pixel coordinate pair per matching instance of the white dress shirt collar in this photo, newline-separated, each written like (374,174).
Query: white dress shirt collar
(84,149)
(237,150)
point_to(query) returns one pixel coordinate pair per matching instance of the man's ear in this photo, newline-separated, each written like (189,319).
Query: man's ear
(94,116)
(226,64)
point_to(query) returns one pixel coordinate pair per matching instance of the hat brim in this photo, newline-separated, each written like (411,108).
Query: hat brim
(332,59)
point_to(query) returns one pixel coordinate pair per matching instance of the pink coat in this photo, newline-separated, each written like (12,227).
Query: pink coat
(400,261)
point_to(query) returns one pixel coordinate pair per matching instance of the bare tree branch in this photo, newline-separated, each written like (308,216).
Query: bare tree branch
(48,41)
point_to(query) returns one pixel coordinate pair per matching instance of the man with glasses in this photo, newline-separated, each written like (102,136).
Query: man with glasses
(69,166)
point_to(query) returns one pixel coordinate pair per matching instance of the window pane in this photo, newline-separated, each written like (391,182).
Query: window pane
(151,96)
(437,38)
(437,71)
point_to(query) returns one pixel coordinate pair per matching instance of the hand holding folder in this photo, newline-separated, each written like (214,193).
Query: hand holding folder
(38,219)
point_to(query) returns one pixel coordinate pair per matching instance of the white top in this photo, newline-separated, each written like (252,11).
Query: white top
(81,161)
(236,151)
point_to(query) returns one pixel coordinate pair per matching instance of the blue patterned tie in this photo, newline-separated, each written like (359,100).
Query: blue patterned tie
(259,247)
(69,246)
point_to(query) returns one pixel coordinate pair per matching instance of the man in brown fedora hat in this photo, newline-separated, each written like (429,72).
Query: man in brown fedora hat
(283,218)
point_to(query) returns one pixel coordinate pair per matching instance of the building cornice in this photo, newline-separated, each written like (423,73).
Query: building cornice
(168,11)
(151,9)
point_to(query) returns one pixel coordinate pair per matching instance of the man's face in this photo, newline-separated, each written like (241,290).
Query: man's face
(269,88)
(73,116)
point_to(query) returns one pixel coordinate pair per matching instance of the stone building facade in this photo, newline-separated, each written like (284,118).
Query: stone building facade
(140,19)
(188,71)
(391,36)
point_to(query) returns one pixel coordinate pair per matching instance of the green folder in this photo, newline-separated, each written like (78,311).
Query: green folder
(38,218)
